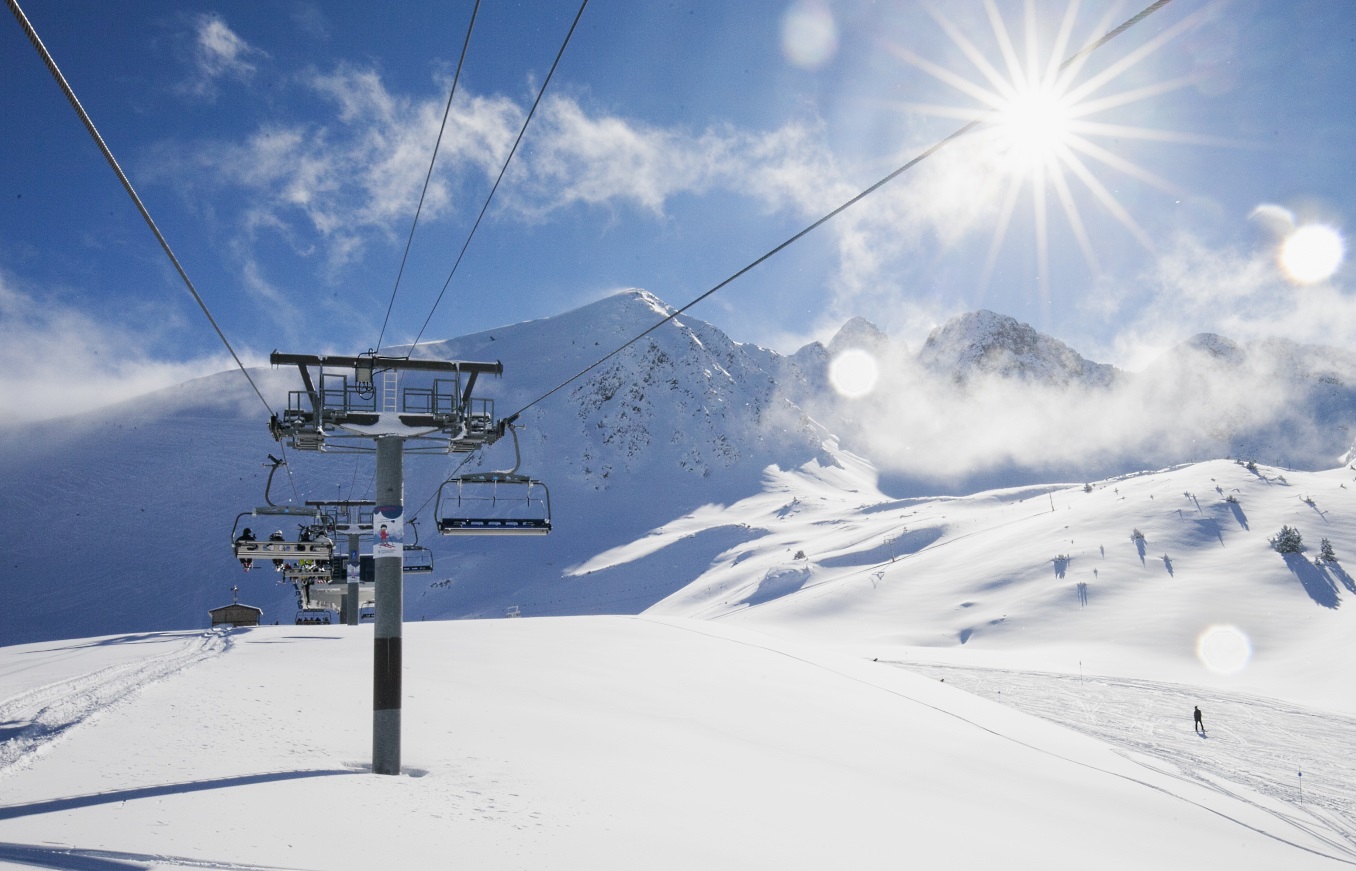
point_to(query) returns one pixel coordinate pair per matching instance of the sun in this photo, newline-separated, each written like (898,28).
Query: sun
(1035,127)
(1040,116)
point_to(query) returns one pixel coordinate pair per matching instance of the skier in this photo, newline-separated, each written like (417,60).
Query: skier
(277,535)
(1200,725)
(247,535)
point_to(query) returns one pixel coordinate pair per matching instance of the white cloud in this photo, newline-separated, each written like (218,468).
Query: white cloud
(919,424)
(334,187)
(928,427)
(1241,294)
(61,360)
(329,189)
(217,53)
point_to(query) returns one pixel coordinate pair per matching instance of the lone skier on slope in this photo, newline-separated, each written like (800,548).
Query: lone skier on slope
(1200,725)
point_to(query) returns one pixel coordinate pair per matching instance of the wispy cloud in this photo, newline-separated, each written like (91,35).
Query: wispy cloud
(1196,407)
(1237,292)
(332,186)
(62,360)
(217,52)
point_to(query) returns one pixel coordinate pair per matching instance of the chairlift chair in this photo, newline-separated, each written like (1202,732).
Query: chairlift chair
(418,559)
(494,503)
(320,548)
(315,617)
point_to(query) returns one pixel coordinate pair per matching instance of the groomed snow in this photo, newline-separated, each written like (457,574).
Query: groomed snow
(594,742)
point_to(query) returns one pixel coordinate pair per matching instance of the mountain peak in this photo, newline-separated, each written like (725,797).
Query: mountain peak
(858,332)
(1216,346)
(985,342)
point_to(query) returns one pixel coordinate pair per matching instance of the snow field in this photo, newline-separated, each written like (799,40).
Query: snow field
(604,742)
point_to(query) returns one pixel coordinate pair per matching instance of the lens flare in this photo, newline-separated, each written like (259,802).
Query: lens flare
(854,373)
(1224,649)
(809,34)
(1312,253)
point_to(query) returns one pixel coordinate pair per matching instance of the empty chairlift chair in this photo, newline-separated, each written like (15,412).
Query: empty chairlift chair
(418,559)
(493,503)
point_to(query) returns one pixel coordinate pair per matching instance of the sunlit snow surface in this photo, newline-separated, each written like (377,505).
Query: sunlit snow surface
(623,742)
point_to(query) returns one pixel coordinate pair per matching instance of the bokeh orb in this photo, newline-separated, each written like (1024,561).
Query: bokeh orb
(1224,649)
(809,34)
(854,373)
(1312,253)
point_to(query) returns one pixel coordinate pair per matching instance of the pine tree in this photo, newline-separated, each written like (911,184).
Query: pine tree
(1288,540)
(1326,552)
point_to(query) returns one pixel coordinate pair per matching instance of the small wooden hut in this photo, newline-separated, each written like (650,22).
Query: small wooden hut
(236,614)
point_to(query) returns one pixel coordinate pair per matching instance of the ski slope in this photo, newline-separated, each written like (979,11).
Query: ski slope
(1296,763)
(611,742)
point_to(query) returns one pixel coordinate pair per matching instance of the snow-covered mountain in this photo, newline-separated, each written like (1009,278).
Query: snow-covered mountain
(986,343)
(1289,403)
(678,456)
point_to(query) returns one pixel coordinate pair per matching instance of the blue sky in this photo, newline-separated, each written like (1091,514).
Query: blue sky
(281,147)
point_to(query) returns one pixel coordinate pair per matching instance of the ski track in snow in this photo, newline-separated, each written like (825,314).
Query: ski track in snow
(32,721)
(1273,749)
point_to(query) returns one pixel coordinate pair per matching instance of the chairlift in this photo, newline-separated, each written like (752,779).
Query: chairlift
(320,592)
(307,571)
(418,559)
(311,543)
(494,503)
(314,617)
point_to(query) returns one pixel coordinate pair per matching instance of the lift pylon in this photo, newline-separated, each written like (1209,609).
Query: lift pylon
(333,412)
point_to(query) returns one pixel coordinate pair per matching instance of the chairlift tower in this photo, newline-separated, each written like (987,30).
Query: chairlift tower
(352,519)
(333,413)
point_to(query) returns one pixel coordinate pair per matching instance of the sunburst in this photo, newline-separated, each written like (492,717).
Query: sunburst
(1038,115)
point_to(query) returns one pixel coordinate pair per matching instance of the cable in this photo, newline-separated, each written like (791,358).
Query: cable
(127,185)
(1113,33)
(415,514)
(826,218)
(540,93)
(291,479)
(848,204)
(427,178)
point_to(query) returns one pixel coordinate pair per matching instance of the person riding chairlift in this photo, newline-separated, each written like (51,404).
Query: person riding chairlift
(247,535)
(277,535)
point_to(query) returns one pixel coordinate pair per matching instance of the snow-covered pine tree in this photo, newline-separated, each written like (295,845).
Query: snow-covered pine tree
(1288,540)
